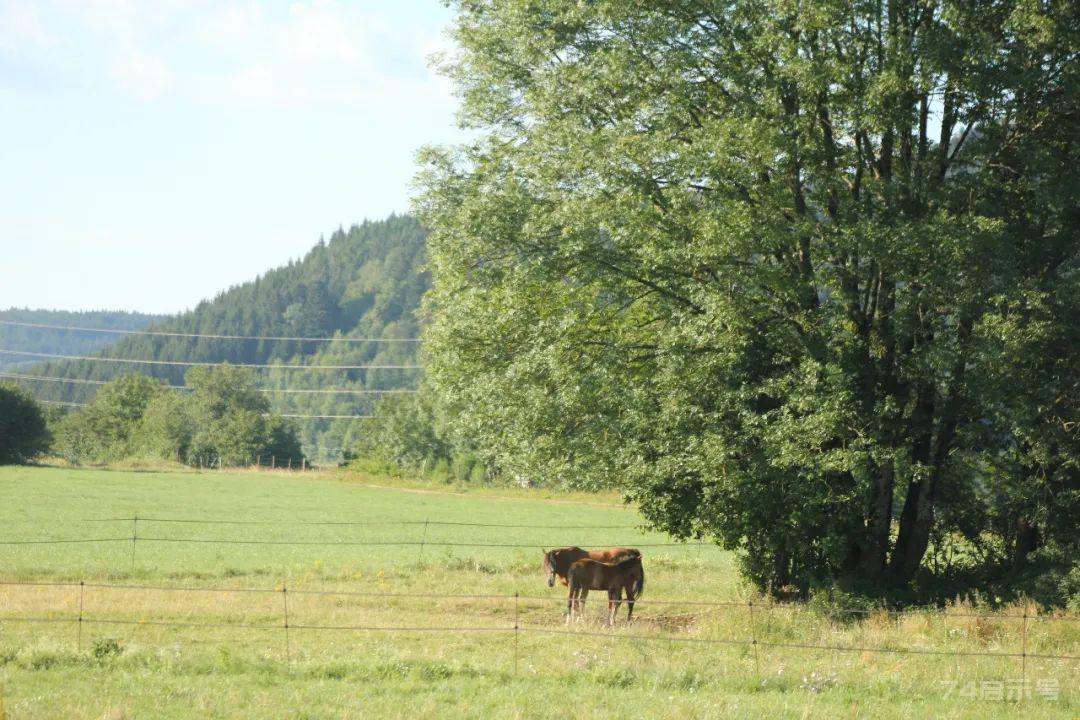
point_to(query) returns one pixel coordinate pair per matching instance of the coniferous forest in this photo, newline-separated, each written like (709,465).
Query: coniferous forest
(26,336)
(364,282)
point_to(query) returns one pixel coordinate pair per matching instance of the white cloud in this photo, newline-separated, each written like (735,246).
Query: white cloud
(232,27)
(238,51)
(143,75)
(318,51)
(23,27)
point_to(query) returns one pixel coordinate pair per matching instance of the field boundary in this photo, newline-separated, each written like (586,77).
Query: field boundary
(751,641)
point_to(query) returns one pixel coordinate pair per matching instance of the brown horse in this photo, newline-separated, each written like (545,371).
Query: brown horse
(585,575)
(557,562)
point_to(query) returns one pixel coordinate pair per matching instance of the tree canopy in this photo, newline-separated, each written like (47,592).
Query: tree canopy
(223,419)
(23,432)
(802,277)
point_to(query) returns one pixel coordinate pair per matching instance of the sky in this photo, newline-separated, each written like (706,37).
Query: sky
(156,152)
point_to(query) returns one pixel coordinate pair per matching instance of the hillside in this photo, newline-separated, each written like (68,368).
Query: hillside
(362,283)
(68,342)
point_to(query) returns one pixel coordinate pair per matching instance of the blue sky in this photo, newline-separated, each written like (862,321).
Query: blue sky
(158,151)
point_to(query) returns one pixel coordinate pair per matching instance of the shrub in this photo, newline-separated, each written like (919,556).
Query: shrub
(23,434)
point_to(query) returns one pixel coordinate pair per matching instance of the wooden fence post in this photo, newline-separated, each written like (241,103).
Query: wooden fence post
(753,639)
(134,539)
(285,605)
(81,583)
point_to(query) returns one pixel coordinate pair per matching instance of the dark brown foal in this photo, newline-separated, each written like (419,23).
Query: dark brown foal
(557,562)
(626,575)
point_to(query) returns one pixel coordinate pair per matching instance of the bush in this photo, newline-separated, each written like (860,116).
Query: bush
(23,433)
(105,647)
(841,606)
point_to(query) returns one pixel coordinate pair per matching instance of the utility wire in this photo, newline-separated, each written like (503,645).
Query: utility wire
(189,363)
(304,417)
(320,391)
(158,333)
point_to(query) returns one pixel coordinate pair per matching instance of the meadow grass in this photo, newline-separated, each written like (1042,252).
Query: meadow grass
(677,660)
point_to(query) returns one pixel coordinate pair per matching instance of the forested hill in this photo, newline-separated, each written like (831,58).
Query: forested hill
(362,283)
(17,331)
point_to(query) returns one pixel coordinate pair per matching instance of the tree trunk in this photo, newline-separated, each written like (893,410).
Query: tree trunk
(1027,540)
(917,519)
(879,520)
(781,572)
(913,517)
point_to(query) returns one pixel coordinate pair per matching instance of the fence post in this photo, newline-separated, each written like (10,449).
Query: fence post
(81,583)
(271,462)
(517,629)
(1023,654)
(134,539)
(423,540)
(753,639)
(258,462)
(285,605)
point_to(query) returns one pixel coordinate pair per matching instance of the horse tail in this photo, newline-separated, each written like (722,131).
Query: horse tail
(639,586)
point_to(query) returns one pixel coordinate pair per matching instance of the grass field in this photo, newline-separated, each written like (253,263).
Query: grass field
(676,661)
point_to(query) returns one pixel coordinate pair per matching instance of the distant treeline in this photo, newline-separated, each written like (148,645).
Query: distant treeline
(366,282)
(223,420)
(63,342)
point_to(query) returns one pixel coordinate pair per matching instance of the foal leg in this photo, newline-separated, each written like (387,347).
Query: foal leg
(614,601)
(570,605)
(629,602)
(581,606)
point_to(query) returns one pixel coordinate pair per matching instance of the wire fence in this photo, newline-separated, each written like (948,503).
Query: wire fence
(134,539)
(757,614)
(752,639)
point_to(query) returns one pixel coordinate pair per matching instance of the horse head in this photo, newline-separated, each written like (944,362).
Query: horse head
(549,565)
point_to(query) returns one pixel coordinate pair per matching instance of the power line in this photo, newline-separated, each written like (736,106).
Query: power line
(320,391)
(18,376)
(303,417)
(189,363)
(158,333)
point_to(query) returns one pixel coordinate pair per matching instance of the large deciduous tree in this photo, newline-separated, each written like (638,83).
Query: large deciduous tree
(801,276)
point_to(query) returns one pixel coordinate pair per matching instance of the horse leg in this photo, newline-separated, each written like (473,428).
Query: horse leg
(614,601)
(629,602)
(581,607)
(570,604)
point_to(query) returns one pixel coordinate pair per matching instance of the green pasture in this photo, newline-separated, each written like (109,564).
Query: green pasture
(403,642)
